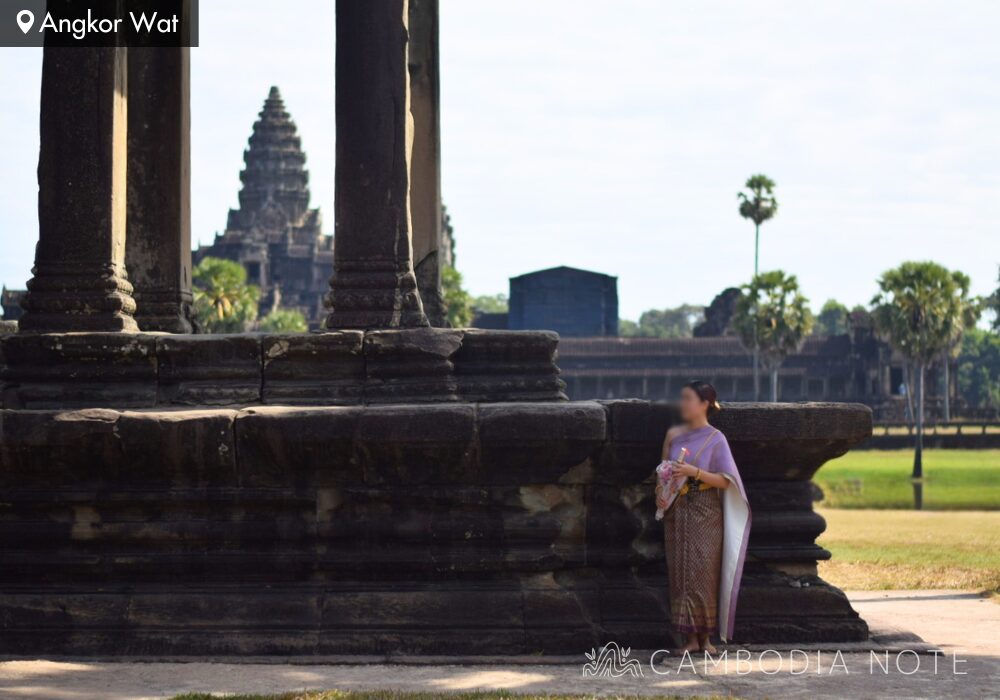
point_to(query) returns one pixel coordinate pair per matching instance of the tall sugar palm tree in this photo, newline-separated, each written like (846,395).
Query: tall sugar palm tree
(758,204)
(922,309)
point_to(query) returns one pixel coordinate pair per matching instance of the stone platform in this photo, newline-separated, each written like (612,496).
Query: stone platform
(454,528)
(145,370)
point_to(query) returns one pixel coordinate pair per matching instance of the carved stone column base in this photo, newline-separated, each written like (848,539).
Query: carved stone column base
(405,366)
(78,297)
(164,311)
(374,298)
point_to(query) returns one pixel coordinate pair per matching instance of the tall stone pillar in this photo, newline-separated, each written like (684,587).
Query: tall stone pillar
(79,281)
(373,285)
(158,249)
(425,166)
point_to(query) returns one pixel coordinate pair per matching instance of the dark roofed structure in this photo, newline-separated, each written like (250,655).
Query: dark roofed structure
(567,300)
(274,234)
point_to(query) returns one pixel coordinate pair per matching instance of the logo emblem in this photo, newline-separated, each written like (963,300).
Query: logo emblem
(611,662)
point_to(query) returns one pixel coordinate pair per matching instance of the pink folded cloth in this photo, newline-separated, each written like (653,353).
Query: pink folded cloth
(672,483)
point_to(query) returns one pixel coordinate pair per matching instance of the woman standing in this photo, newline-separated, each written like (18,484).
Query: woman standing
(707,522)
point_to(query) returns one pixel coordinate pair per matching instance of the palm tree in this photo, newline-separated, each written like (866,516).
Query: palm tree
(223,301)
(922,309)
(772,318)
(758,204)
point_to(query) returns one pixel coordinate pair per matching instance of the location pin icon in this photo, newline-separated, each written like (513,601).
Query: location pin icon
(25,18)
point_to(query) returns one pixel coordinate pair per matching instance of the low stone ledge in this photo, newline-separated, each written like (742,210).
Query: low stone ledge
(508,366)
(209,370)
(418,444)
(44,449)
(316,368)
(521,423)
(297,446)
(79,370)
(539,443)
(188,449)
(239,518)
(102,448)
(148,370)
(781,441)
(411,366)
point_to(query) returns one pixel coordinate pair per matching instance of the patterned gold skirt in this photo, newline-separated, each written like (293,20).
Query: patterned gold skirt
(693,541)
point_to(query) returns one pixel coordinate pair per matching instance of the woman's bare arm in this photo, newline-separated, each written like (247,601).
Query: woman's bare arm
(671,434)
(713,479)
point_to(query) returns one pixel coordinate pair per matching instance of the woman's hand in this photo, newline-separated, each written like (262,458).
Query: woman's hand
(661,501)
(686,470)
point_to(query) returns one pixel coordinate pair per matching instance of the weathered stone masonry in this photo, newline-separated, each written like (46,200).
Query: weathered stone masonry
(505,528)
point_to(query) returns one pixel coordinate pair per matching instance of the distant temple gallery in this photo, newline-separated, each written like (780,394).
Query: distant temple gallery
(597,363)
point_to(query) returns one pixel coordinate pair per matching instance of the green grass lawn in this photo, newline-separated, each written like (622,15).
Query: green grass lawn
(953,480)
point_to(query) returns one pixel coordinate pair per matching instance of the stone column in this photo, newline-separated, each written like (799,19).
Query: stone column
(79,281)
(158,250)
(373,285)
(425,166)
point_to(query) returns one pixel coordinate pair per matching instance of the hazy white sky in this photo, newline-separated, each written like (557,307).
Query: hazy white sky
(614,136)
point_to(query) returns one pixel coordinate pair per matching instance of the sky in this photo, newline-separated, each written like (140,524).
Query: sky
(615,136)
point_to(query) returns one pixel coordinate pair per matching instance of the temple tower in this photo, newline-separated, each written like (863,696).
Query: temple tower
(274,233)
(275,181)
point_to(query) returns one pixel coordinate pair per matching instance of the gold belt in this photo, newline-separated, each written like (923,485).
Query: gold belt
(702,486)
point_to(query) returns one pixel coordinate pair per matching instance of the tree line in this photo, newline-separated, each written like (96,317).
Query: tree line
(923,310)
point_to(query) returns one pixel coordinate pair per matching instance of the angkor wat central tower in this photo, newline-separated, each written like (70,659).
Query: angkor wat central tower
(274,233)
